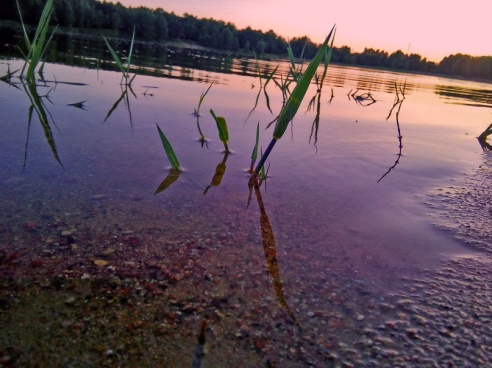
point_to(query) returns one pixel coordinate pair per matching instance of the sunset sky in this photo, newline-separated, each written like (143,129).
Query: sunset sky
(431,28)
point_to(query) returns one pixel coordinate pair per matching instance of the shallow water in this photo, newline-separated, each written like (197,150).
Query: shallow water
(304,275)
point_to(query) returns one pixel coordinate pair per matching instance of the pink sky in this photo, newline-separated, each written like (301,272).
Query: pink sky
(431,28)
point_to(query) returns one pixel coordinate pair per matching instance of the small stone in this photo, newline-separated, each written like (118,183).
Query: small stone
(100,263)
(108,251)
(36,262)
(97,197)
(70,300)
(260,344)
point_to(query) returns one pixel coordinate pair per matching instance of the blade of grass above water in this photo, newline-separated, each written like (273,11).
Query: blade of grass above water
(294,102)
(171,156)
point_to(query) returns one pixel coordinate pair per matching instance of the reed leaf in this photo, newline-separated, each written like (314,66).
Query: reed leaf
(125,69)
(130,53)
(171,156)
(294,102)
(328,53)
(222,128)
(295,99)
(37,47)
(115,56)
(202,97)
(254,154)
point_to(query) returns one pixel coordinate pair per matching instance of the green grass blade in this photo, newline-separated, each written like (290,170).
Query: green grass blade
(115,56)
(292,61)
(222,128)
(202,97)
(254,154)
(295,99)
(328,54)
(129,59)
(26,37)
(38,43)
(171,156)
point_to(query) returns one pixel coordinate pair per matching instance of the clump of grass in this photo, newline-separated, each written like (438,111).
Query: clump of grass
(292,105)
(36,48)
(124,67)
(171,156)
(222,128)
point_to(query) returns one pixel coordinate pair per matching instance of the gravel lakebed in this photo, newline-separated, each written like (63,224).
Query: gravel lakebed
(87,287)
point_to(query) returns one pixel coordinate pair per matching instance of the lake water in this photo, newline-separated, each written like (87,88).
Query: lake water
(322,266)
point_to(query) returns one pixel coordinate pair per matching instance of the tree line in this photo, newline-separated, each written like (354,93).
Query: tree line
(159,25)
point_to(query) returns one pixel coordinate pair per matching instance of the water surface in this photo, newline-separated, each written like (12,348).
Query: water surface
(300,276)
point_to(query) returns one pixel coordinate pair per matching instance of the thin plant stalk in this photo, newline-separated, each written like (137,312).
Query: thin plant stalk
(202,97)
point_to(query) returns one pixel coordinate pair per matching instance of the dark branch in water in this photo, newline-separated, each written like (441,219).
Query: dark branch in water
(482,139)
(398,102)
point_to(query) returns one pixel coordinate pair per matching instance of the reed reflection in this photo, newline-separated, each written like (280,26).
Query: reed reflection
(219,173)
(37,106)
(399,98)
(316,102)
(465,96)
(171,177)
(125,88)
(482,139)
(270,251)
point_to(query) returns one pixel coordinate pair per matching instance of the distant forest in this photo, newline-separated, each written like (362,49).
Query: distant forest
(159,25)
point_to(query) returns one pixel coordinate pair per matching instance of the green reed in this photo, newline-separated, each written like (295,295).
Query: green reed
(254,154)
(202,97)
(222,128)
(293,103)
(36,48)
(171,156)
(124,67)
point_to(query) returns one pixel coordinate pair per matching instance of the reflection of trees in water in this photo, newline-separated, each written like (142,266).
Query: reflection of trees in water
(465,96)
